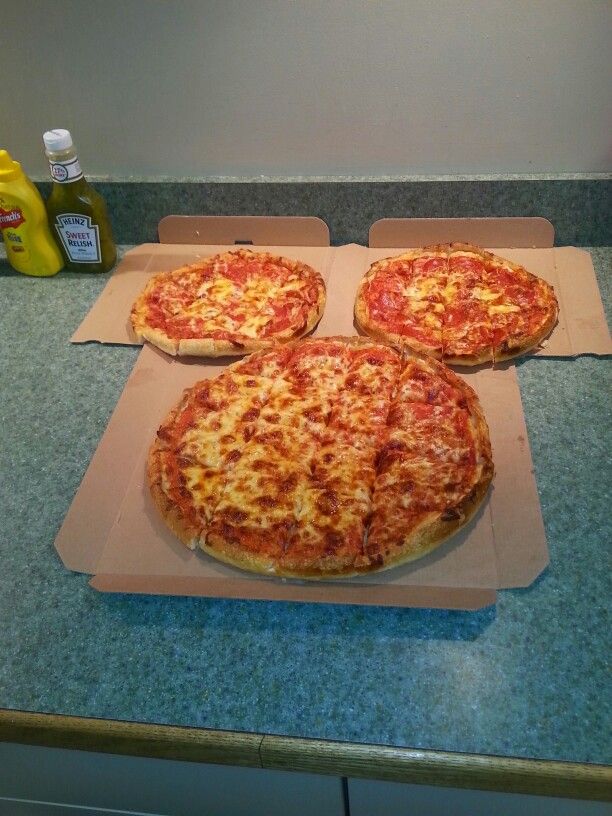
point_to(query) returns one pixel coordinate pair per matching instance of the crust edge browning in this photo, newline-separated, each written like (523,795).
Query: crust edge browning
(184,530)
(218,548)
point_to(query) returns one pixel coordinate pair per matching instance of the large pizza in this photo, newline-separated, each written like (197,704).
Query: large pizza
(457,303)
(232,303)
(322,458)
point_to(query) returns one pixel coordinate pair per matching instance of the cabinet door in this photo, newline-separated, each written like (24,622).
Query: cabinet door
(370,798)
(160,787)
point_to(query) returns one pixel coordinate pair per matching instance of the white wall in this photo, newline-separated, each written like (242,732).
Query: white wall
(310,87)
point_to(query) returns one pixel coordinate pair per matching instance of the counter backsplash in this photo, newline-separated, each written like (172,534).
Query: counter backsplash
(579,209)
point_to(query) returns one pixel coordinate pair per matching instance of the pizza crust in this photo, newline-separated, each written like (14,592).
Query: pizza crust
(158,338)
(183,529)
(210,347)
(221,550)
(470,359)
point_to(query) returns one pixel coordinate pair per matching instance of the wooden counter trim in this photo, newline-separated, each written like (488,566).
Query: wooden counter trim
(354,760)
(131,738)
(452,770)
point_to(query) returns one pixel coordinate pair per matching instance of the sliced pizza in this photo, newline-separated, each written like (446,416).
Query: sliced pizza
(322,458)
(456,302)
(232,303)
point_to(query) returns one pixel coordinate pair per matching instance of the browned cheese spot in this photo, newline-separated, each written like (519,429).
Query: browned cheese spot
(328,503)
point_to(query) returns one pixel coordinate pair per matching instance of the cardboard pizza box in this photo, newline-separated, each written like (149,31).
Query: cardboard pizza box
(113,532)
(582,326)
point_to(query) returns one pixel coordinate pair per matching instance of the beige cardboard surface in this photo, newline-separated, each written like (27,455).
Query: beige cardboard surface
(243,229)
(406,596)
(124,542)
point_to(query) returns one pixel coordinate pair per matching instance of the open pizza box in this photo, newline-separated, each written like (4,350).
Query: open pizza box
(581,328)
(113,531)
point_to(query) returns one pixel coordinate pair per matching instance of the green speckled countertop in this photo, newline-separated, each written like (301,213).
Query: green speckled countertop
(528,678)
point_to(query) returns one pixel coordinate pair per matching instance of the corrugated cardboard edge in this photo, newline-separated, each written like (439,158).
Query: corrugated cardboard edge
(423,597)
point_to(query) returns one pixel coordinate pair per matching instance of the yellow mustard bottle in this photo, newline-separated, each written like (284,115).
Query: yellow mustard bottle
(76,211)
(30,247)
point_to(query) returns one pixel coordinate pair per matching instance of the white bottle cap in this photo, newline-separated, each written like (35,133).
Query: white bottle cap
(57,139)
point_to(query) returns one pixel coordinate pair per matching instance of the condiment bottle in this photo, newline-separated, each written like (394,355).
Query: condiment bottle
(76,211)
(30,247)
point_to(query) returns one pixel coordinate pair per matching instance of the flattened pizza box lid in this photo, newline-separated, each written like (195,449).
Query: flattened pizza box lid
(113,530)
(582,326)
(186,239)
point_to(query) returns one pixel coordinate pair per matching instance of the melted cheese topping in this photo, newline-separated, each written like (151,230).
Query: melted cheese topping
(237,294)
(457,303)
(291,476)
(503,309)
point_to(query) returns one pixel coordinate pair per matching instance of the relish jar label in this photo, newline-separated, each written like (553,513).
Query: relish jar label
(65,172)
(80,238)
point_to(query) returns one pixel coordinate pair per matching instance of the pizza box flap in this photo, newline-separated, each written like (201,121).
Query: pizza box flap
(123,541)
(416,232)
(403,596)
(258,230)
(581,328)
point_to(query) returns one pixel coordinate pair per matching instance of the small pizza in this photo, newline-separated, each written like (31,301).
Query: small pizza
(457,303)
(234,303)
(322,458)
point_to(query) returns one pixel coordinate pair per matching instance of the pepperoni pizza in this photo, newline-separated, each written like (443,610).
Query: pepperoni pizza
(322,458)
(233,303)
(457,303)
